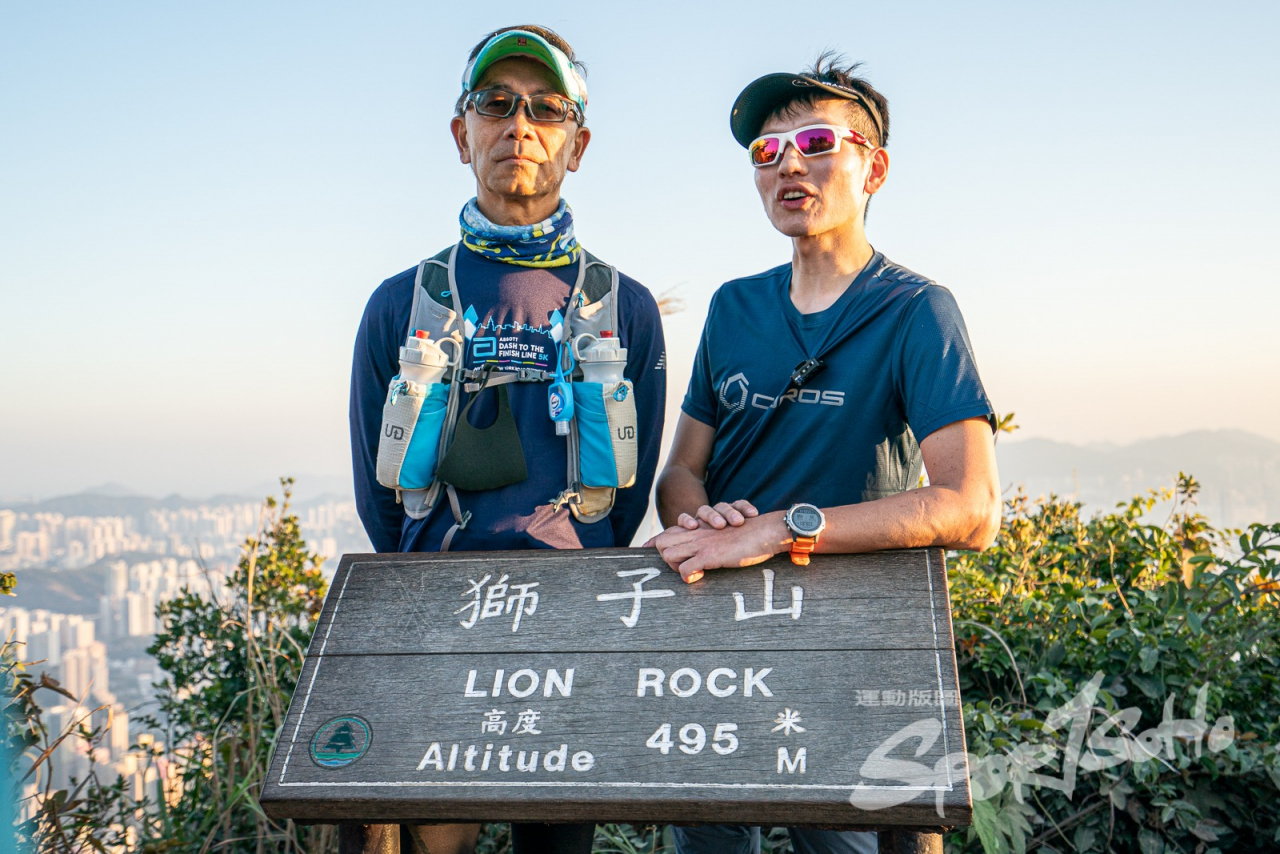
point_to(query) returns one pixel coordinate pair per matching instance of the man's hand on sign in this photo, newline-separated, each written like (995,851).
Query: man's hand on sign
(723,515)
(692,551)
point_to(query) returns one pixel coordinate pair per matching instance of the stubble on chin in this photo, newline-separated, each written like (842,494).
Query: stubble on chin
(791,224)
(515,180)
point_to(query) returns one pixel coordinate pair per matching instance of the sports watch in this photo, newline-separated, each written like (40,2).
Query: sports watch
(805,522)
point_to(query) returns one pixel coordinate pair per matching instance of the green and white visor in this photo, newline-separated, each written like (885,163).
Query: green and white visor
(534,46)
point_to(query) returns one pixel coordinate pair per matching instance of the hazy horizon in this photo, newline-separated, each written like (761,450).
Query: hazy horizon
(309,486)
(201,199)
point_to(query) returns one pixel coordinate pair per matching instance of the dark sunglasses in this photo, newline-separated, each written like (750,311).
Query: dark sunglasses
(502,104)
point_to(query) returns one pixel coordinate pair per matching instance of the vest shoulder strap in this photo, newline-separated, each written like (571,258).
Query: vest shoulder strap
(435,277)
(431,310)
(601,279)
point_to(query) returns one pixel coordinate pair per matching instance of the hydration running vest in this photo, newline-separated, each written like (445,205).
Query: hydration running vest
(437,310)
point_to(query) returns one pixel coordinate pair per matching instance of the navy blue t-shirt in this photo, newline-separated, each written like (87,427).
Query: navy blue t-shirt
(898,367)
(512,316)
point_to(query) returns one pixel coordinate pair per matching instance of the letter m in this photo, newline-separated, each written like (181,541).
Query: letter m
(792,765)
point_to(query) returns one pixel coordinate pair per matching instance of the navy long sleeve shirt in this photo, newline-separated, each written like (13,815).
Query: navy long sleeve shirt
(511,315)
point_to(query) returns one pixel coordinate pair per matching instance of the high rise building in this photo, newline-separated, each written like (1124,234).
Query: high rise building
(74,672)
(117,579)
(15,624)
(100,672)
(118,740)
(140,618)
(77,631)
(8,521)
(44,643)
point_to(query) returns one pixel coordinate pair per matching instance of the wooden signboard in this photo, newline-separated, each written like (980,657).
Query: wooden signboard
(595,685)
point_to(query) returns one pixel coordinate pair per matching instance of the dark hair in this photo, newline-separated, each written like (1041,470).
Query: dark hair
(833,68)
(550,35)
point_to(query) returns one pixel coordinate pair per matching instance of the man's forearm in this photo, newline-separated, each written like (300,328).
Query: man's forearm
(679,491)
(934,516)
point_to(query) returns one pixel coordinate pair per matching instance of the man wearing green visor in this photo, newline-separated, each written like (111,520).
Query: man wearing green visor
(469,368)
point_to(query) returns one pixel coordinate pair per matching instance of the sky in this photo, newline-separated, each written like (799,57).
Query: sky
(196,200)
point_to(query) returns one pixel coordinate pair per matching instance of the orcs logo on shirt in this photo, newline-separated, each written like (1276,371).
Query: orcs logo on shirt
(734,395)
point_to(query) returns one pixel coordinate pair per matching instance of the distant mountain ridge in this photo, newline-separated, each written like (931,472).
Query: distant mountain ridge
(1239,471)
(99,504)
(93,503)
(111,489)
(116,499)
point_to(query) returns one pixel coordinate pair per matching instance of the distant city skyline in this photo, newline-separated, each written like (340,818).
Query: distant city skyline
(203,197)
(88,589)
(69,535)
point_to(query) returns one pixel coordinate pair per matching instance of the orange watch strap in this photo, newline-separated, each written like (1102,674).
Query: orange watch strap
(801,547)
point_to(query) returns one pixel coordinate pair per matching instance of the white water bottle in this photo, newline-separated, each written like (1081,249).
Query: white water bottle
(604,360)
(423,360)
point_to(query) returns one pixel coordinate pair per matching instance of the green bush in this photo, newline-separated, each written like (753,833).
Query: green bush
(232,664)
(1154,614)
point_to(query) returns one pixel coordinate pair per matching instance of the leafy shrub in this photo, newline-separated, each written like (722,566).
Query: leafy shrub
(232,665)
(1164,614)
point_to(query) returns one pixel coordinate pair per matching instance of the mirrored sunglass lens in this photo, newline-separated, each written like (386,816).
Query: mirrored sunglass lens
(494,103)
(815,141)
(547,108)
(764,151)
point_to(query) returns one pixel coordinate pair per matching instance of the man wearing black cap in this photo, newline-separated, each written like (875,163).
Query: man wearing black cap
(821,386)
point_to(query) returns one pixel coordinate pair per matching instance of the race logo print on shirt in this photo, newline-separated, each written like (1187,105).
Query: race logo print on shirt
(513,345)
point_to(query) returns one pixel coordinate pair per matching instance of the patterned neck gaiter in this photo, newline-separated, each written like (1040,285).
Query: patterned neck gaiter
(549,243)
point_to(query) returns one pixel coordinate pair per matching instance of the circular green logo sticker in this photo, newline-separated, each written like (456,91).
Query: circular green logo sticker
(341,741)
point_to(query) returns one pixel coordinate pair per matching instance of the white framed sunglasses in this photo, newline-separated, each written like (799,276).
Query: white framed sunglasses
(810,141)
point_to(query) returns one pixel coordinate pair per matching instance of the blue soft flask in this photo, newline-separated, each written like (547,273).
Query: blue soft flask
(560,397)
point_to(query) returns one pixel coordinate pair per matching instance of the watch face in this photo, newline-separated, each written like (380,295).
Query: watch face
(806,519)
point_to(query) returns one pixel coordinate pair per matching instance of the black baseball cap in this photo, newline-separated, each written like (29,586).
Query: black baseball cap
(765,94)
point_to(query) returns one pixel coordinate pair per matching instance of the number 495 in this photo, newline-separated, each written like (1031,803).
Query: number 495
(693,738)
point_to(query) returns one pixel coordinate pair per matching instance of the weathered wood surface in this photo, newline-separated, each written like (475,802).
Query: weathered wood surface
(405,660)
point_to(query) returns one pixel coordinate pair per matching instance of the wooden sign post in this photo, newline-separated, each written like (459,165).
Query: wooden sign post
(596,686)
